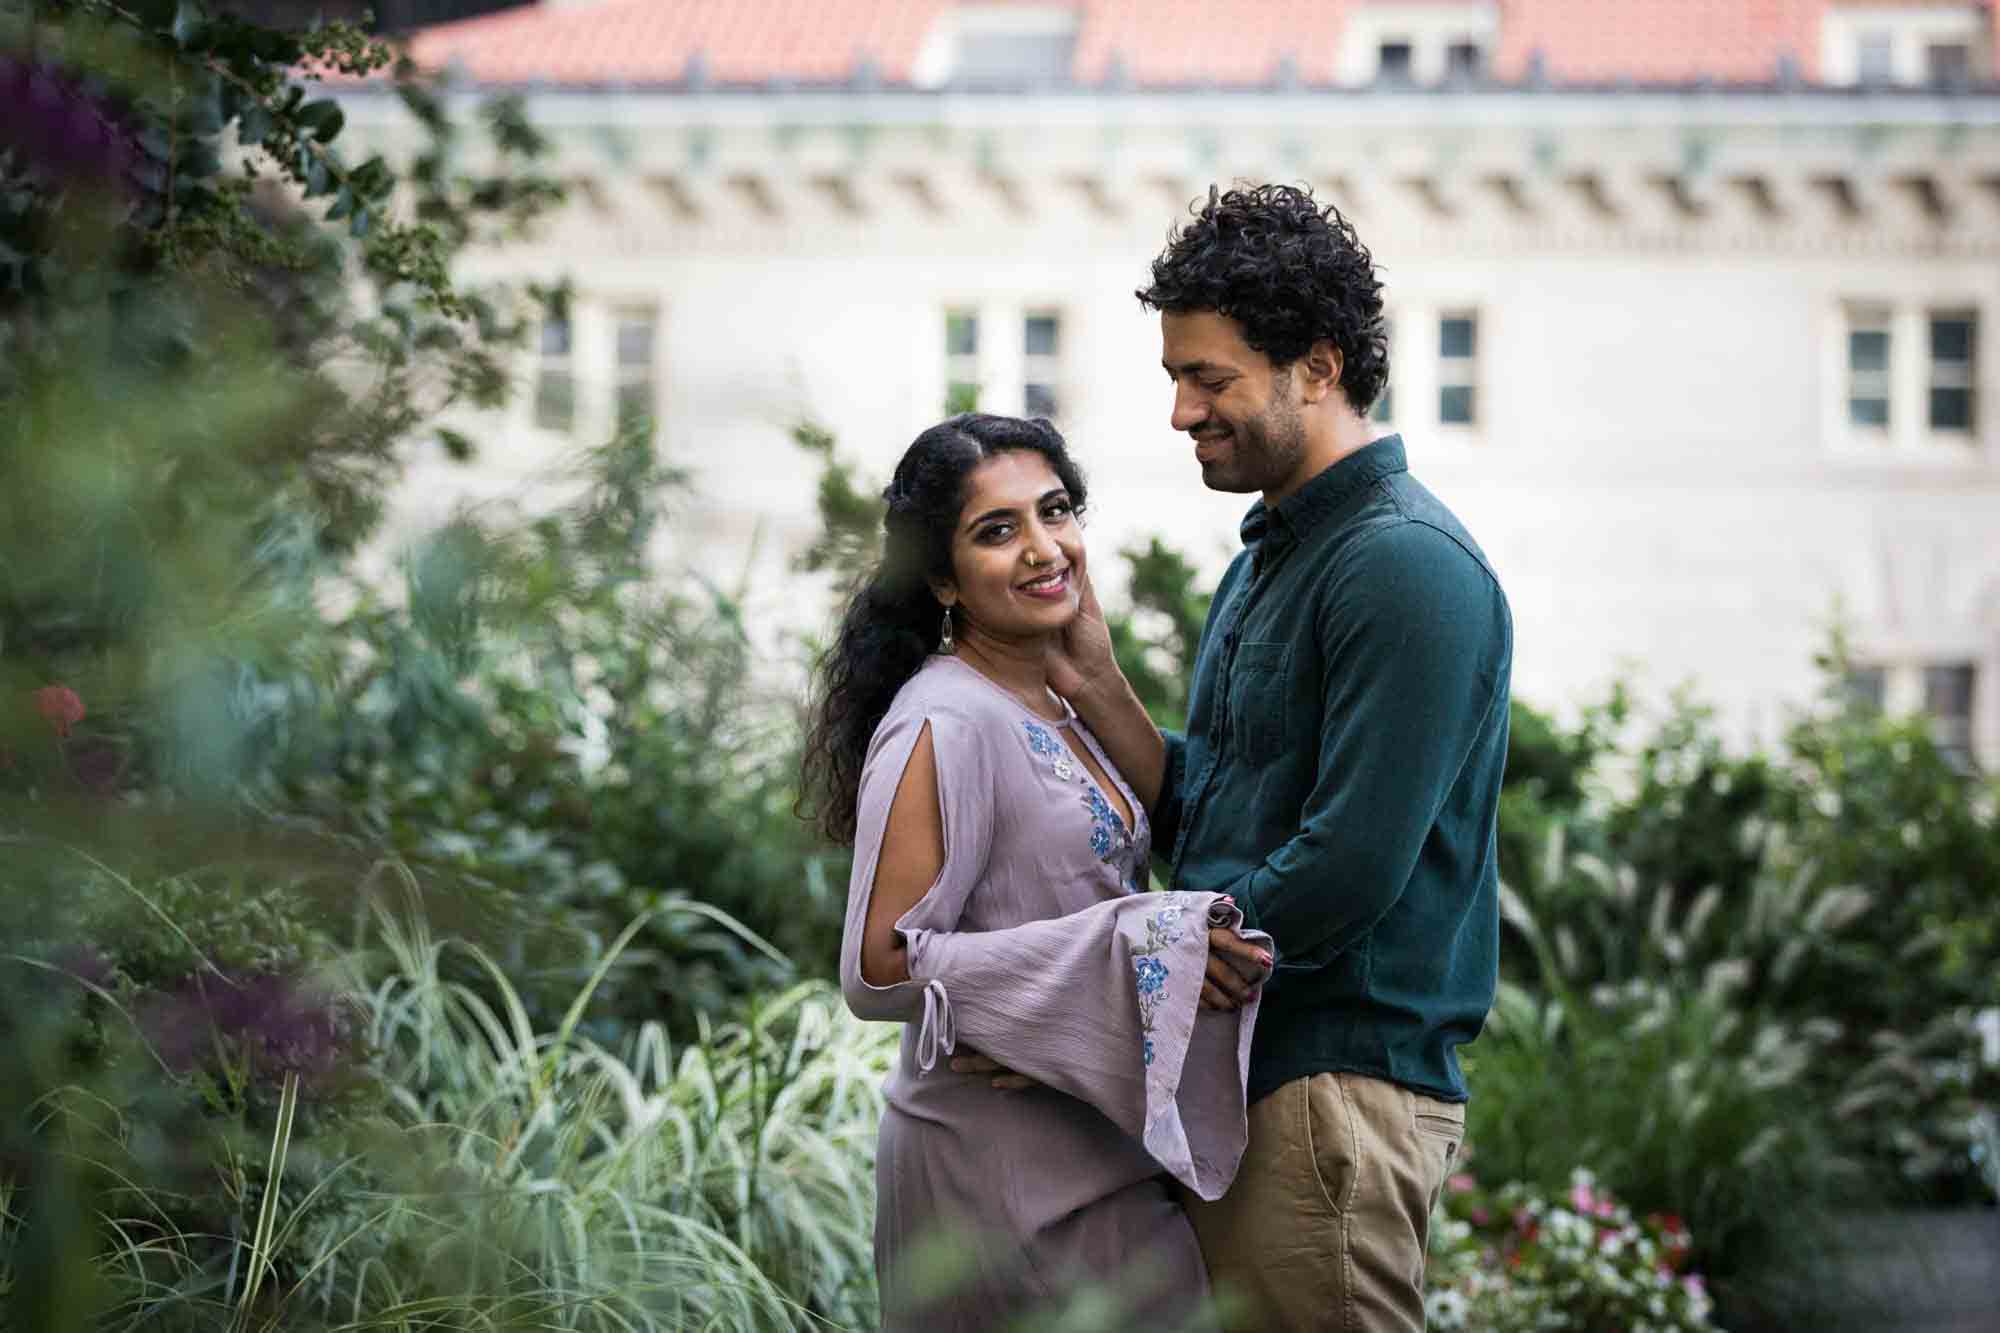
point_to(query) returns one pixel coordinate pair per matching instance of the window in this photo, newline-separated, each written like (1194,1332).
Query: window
(1939,43)
(1458,364)
(1393,62)
(998,47)
(1383,412)
(1875,58)
(1948,699)
(637,393)
(1947,64)
(555,377)
(1041,370)
(1868,370)
(1418,42)
(1953,337)
(1867,688)
(1001,356)
(961,362)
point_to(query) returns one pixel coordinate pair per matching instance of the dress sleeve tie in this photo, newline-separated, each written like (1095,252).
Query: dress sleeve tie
(938,1030)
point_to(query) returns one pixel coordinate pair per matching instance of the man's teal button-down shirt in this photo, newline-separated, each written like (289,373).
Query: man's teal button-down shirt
(1340,775)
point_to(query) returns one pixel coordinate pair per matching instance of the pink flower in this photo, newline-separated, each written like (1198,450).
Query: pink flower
(1581,1199)
(60,705)
(1694,1286)
(1480,1217)
(1462,1183)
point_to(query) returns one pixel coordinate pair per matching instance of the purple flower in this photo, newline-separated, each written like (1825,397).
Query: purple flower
(283,1028)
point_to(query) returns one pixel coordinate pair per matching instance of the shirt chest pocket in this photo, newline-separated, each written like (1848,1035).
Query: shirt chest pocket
(1257,693)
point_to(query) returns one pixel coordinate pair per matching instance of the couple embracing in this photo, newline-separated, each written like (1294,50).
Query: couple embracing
(1248,1083)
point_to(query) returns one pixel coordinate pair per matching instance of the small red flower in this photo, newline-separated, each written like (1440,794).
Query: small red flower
(60,705)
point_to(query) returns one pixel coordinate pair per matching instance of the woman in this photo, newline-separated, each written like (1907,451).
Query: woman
(995,907)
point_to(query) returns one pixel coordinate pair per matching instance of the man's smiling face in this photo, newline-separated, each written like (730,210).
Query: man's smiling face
(1237,407)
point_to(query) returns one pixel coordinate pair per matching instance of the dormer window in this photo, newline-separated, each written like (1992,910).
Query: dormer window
(1875,59)
(1418,42)
(1392,63)
(1947,64)
(1905,46)
(998,47)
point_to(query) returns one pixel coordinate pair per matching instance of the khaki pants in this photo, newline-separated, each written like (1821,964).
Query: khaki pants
(1327,1222)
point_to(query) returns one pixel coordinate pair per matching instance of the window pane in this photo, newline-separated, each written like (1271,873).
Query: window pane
(555,400)
(555,337)
(1951,409)
(1951,338)
(961,334)
(1455,405)
(960,396)
(635,340)
(1948,699)
(1457,336)
(1040,400)
(1948,63)
(1039,335)
(1948,690)
(1868,411)
(1867,688)
(1464,60)
(1875,57)
(1394,61)
(1868,349)
(635,404)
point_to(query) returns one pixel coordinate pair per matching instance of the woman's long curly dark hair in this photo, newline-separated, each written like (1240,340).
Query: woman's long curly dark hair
(1286,269)
(892,622)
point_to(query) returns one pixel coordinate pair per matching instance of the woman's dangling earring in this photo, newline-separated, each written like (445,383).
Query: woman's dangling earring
(944,636)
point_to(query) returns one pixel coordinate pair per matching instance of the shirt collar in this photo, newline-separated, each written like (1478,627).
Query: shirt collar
(1303,510)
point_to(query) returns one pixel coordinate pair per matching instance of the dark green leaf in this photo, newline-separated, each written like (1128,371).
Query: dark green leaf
(322,118)
(456,444)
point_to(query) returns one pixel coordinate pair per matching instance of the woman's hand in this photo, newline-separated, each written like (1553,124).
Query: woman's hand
(1236,968)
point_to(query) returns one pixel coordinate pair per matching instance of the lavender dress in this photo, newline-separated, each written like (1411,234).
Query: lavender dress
(1037,947)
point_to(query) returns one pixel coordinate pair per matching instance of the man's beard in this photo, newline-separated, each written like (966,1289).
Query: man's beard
(1264,451)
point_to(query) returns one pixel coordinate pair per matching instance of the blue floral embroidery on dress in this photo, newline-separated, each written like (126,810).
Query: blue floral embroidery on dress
(1107,830)
(1108,834)
(1041,742)
(1152,974)
(1163,929)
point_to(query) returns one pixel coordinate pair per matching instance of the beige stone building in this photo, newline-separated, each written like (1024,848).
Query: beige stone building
(1694,301)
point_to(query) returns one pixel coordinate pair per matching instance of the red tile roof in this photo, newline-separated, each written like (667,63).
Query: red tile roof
(1154,41)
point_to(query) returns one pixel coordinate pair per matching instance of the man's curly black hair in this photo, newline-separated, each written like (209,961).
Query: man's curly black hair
(1287,270)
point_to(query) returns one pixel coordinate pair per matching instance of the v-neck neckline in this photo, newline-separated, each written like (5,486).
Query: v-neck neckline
(1132,825)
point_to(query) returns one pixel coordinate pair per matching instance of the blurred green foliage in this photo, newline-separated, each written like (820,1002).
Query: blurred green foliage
(427,950)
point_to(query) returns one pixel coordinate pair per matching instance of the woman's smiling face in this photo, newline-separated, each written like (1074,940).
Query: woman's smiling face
(1017,553)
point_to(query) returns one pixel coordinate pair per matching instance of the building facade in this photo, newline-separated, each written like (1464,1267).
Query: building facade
(1694,303)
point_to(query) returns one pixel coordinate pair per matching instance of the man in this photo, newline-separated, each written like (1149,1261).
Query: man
(1341,770)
